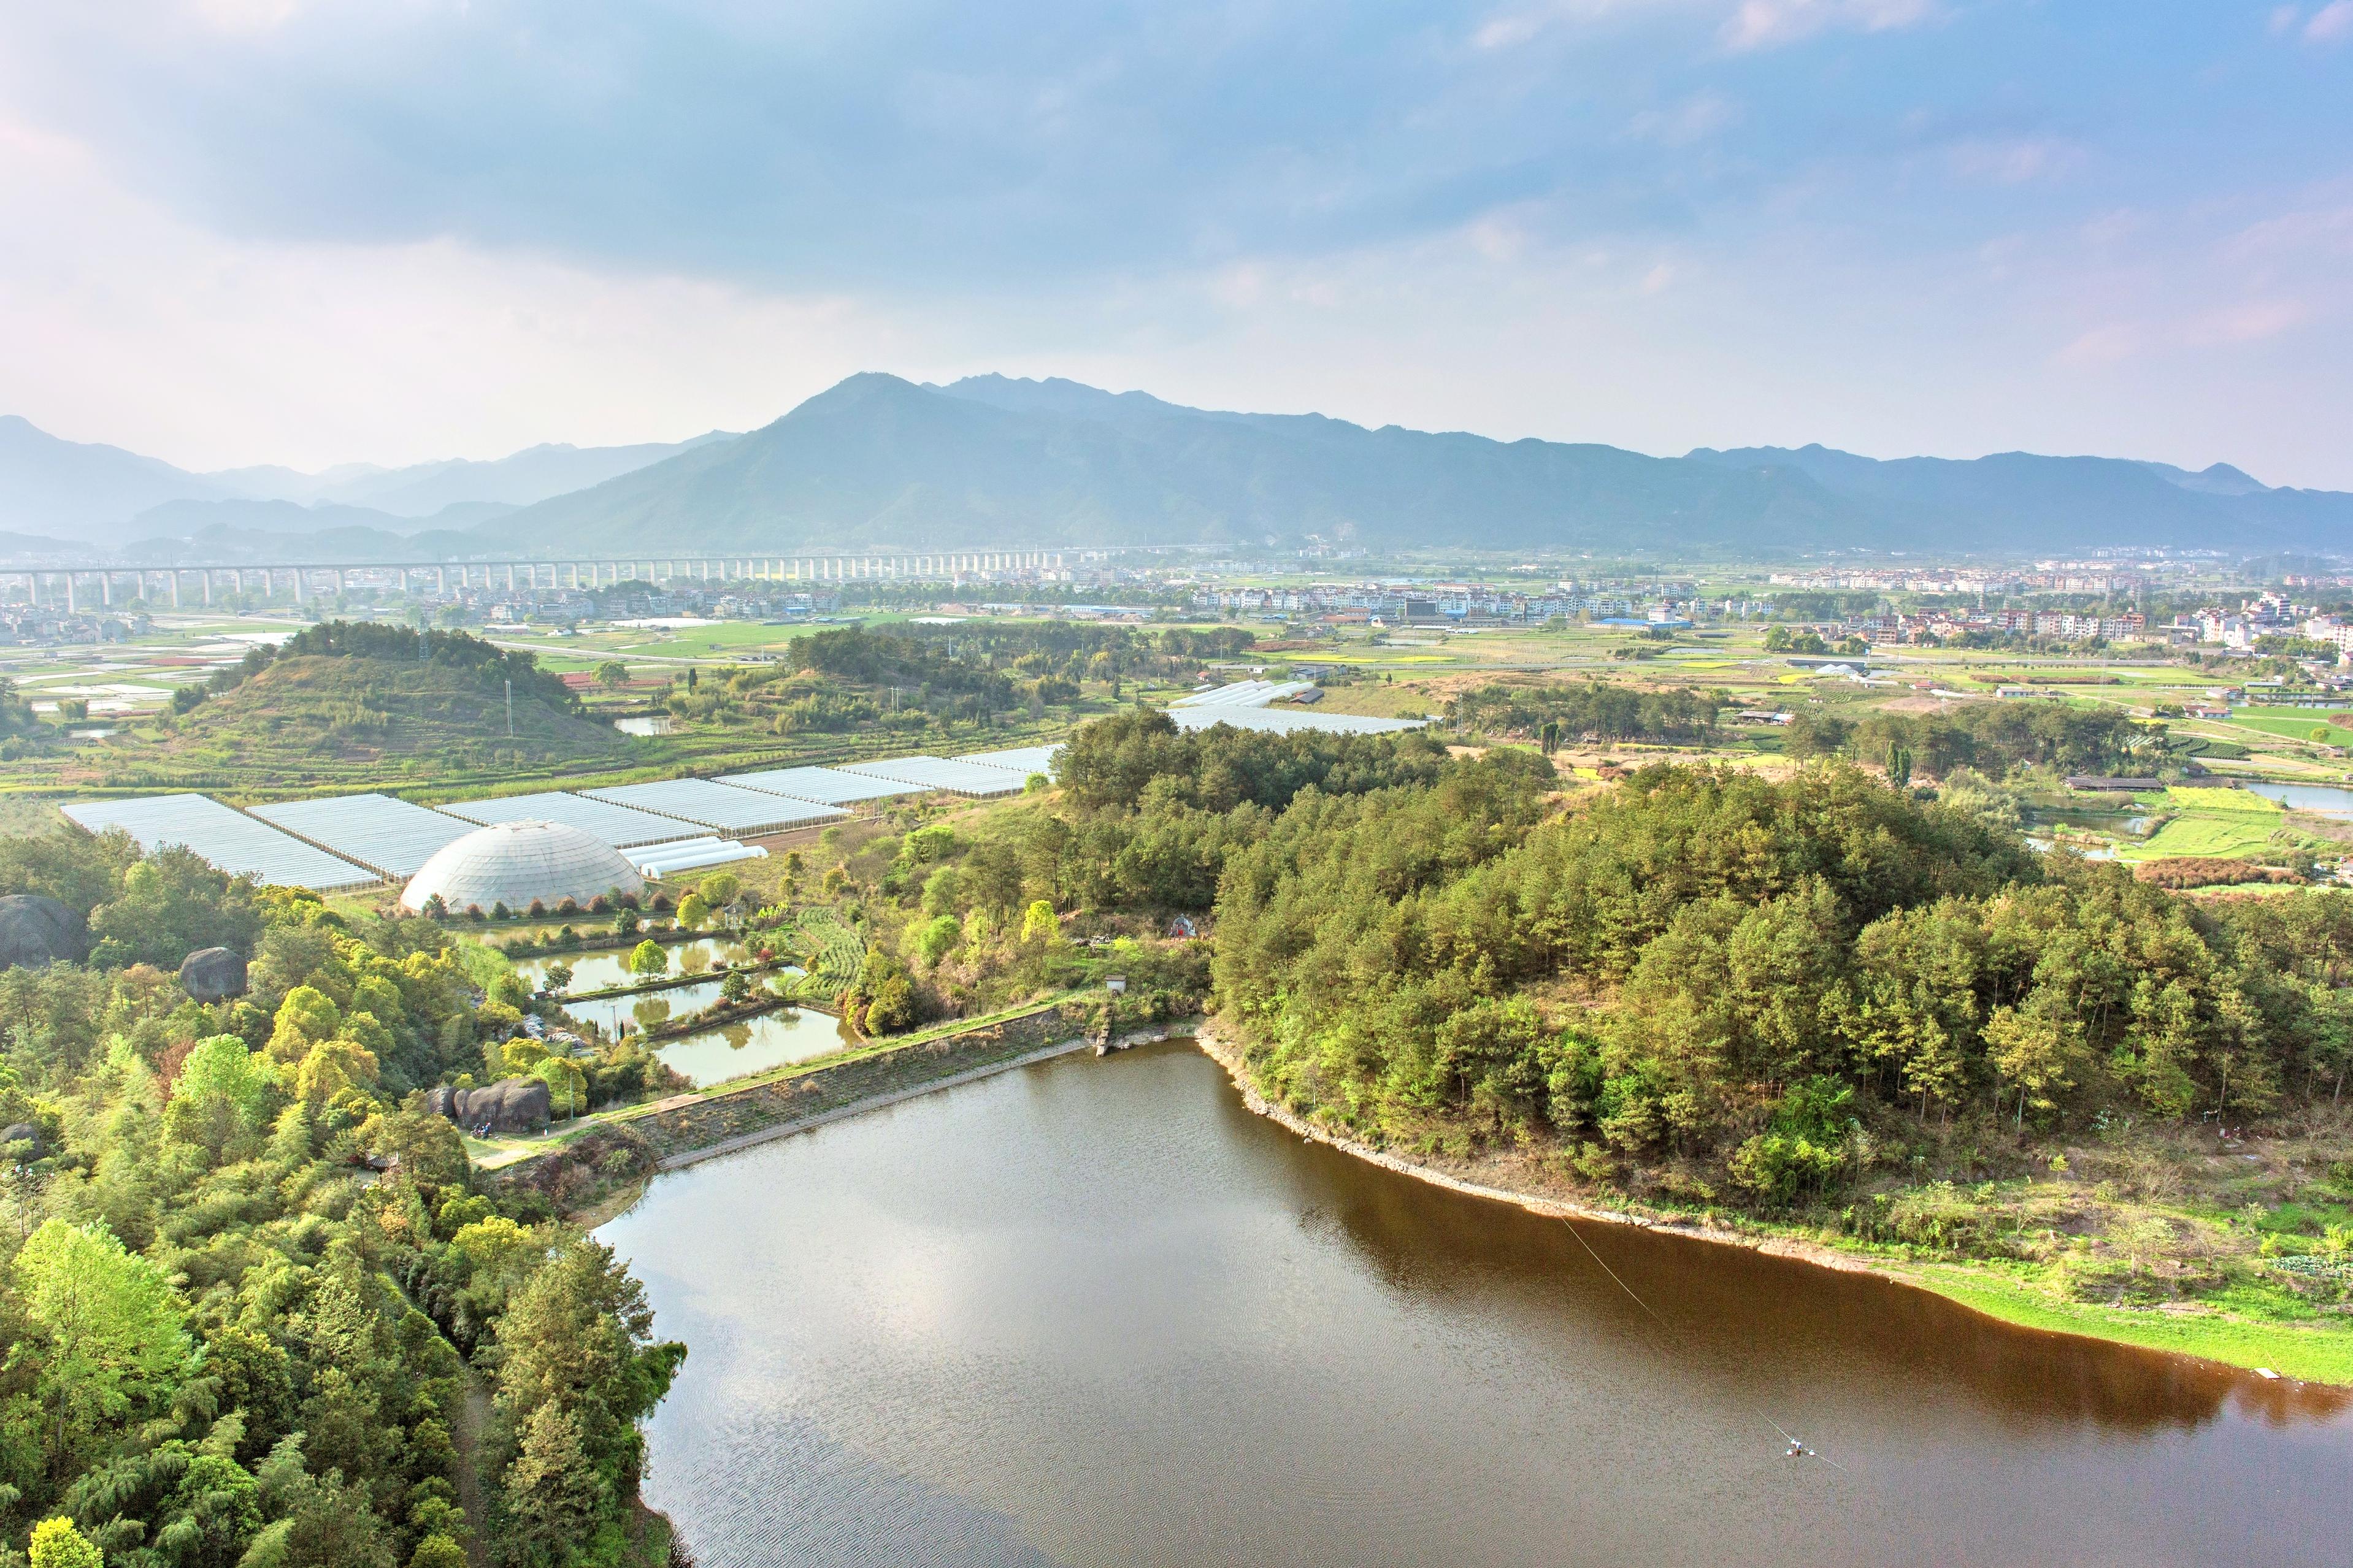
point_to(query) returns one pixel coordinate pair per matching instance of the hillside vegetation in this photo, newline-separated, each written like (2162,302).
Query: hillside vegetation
(257,1311)
(345,704)
(1818,1001)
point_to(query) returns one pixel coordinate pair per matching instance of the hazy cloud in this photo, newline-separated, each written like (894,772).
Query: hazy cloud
(1763,24)
(313,230)
(2331,24)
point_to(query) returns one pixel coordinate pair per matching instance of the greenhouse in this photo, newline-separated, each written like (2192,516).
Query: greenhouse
(520,864)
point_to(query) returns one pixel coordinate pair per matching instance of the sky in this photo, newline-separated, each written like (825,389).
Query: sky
(319,231)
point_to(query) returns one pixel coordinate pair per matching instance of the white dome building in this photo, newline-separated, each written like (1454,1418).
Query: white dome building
(515,863)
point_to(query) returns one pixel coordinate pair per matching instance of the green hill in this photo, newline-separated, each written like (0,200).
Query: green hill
(327,720)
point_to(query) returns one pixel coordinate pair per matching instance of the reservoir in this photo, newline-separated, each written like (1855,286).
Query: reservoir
(1092,1311)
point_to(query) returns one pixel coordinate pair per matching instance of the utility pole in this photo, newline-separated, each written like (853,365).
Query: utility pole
(510,708)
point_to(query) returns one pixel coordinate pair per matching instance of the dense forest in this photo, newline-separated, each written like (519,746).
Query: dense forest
(257,1312)
(1698,971)
(1708,969)
(1592,711)
(1989,737)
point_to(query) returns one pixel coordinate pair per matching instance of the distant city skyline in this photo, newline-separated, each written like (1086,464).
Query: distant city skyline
(237,232)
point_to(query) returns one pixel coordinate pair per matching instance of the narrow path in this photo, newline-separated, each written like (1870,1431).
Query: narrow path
(473,1418)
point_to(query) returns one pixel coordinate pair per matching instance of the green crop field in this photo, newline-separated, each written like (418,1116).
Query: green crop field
(2296,724)
(2205,837)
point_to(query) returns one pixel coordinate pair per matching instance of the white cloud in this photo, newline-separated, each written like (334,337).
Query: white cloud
(2252,322)
(1764,23)
(1523,25)
(2101,346)
(2014,161)
(127,326)
(1694,119)
(2331,24)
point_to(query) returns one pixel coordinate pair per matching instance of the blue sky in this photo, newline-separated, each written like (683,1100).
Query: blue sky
(295,230)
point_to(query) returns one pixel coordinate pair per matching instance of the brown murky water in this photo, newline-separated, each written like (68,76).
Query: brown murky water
(1096,1313)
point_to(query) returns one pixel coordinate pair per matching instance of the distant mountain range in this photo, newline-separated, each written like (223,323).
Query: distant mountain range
(100,496)
(880,462)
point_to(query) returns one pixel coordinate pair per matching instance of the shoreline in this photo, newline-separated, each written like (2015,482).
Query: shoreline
(2211,1338)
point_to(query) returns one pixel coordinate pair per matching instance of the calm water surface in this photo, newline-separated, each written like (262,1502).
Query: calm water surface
(2325,798)
(755,1045)
(1096,1313)
(610,967)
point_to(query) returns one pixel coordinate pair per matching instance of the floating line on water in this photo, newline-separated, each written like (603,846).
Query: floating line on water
(1797,1449)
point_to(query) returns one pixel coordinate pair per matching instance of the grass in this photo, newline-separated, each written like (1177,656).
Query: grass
(2313,1351)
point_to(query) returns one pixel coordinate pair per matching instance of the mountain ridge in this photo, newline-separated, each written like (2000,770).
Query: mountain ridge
(876,461)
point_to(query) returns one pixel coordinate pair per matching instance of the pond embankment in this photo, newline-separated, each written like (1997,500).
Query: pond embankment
(685,1129)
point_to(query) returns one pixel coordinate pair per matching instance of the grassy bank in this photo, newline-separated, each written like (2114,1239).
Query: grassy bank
(2171,1241)
(2308,1347)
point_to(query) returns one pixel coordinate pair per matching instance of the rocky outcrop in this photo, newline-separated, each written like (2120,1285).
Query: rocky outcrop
(36,930)
(24,1133)
(510,1105)
(213,974)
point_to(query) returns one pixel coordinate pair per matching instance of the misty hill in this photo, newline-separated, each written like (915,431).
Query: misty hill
(424,489)
(108,498)
(262,534)
(2033,502)
(81,490)
(877,461)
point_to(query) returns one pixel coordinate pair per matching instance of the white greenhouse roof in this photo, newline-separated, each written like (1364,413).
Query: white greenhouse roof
(616,824)
(1284,720)
(230,840)
(939,773)
(381,833)
(1243,694)
(826,786)
(1022,760)
(715,805)
(518,864)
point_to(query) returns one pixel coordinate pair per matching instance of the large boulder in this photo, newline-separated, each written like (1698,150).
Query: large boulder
(36,930)
(213,974)
(510,1105)
(25,1132)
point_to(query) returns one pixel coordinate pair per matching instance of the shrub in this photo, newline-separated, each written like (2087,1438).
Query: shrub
(2190,871)
(499,911)
(538,910)
(1804,1149)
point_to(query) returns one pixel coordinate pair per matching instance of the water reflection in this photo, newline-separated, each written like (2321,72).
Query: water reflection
(608,967)
(1720,1303)
(755,1045)
(1099,1306)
